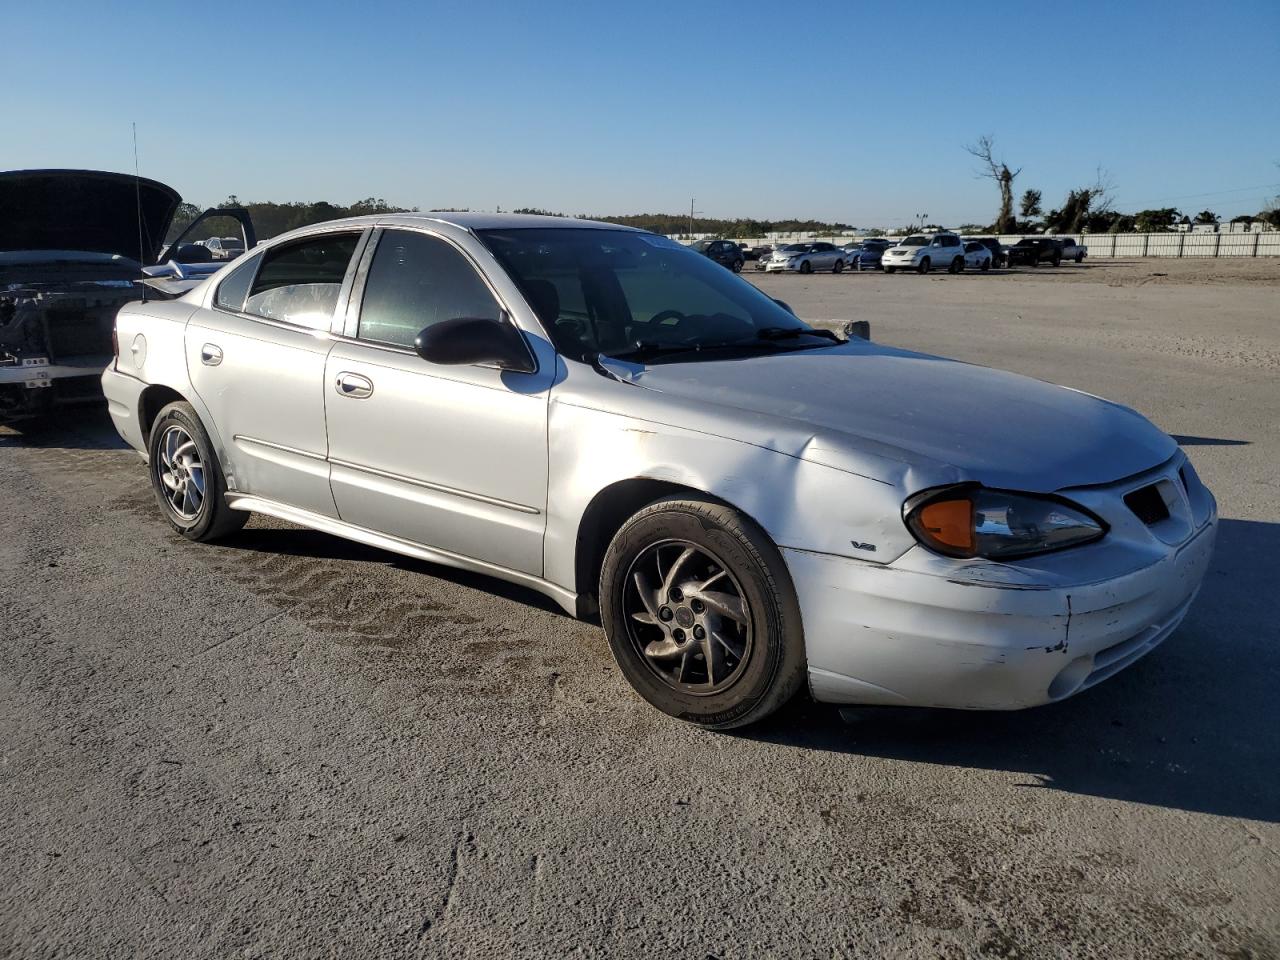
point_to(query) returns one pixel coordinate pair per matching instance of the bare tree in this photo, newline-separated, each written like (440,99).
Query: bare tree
(998,171)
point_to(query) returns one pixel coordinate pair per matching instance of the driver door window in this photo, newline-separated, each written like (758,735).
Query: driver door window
(416,280)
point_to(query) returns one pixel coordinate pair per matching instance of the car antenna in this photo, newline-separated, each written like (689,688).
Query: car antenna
(137,193)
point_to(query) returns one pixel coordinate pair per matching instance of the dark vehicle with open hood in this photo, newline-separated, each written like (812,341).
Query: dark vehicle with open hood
(75,246)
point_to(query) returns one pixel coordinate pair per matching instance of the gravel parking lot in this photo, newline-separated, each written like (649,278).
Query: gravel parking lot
(290,745)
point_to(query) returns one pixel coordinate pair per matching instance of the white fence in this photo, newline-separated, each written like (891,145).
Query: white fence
(1261,244)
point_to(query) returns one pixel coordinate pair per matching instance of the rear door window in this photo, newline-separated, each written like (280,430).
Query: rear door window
(299,282)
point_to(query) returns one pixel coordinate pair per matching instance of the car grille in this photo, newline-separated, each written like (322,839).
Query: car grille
(1147,504)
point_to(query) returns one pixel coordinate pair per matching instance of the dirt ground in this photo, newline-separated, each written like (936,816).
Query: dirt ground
(290,745)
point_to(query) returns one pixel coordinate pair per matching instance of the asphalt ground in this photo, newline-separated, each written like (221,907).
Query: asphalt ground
(290,745)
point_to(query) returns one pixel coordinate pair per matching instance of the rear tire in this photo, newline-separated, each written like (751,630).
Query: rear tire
(1057,261)
(701,614)
(890,269)
(187,478)
(737,266)
(957,265)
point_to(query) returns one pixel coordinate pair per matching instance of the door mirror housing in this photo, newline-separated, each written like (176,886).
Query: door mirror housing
(471,340)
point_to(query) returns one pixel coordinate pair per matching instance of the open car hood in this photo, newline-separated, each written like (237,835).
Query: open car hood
(86,210)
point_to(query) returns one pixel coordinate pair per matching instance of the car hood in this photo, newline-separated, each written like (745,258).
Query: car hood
(86,210)
(901,250)
(874,410)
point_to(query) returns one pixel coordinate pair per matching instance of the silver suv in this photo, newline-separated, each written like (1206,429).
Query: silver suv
(923,252)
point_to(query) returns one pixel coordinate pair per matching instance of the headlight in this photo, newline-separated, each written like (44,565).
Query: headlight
(970,521)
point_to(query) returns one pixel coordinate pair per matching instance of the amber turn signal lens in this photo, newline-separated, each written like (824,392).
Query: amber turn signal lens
(949,523)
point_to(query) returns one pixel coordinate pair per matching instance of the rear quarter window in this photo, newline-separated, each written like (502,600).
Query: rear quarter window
(234,289)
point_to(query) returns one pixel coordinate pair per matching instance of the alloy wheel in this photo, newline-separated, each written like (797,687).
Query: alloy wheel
(687,617)
(181,472)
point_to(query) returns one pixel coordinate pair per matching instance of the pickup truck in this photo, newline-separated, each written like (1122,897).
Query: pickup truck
(1036,250)
(1073,251)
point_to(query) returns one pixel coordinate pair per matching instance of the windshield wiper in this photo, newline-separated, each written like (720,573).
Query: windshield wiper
(790,333)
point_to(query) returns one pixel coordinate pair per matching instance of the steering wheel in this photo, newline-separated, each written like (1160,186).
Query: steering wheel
(668,315)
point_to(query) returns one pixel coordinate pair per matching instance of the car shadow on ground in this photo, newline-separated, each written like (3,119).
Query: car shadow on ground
(1193,726)
(86,427)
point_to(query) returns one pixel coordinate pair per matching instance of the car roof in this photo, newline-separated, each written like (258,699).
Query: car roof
(469,220)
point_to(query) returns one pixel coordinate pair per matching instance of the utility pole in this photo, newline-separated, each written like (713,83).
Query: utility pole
(691,218)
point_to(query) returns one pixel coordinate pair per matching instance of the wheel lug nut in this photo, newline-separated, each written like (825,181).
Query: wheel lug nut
(665,613)
(698,606)
(699,633)
(675,595)
(679,635)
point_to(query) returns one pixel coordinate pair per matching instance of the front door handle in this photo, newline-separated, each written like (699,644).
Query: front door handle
(353,385)
(211,354)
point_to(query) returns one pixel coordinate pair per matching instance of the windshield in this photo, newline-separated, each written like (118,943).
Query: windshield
(914,242)
(1025,243)
(623,293)
(701,245)
(796,247)
(231,242)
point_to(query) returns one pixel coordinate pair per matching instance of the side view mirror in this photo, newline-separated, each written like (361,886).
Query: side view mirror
(784,305)
(468,340)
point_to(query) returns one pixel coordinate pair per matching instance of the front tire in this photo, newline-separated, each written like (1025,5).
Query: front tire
(806,267)
(737,266)
(890,269)
(701,615)
(187,478)
(925,266)
(986,265)
(839,267)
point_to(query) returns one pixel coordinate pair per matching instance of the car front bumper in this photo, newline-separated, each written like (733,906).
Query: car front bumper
(943,633)
(780,267)
(903,263)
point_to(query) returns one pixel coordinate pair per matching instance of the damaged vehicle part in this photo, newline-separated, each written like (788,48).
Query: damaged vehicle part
(73,244)
(613,420)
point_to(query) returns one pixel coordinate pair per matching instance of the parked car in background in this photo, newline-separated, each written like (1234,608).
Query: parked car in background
(999,252)
(225,248)
(976,256)
(1033,251)
(1073,251)
(760,252)
(806,258)
(74,246)
(724,252)
(923,252)
(865,254)
(751,505)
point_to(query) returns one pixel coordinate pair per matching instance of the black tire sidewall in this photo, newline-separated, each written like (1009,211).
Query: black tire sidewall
(776,663)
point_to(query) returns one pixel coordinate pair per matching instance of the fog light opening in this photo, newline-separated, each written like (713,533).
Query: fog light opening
(1070,678)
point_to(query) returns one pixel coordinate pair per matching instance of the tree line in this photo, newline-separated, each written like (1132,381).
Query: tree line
(1085,209)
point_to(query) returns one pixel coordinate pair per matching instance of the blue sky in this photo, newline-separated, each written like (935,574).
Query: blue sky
(837,110)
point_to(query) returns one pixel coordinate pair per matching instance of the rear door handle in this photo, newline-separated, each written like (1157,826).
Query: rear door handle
(353,385)
(211,354)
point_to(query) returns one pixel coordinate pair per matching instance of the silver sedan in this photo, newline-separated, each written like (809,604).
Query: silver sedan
(752,505)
